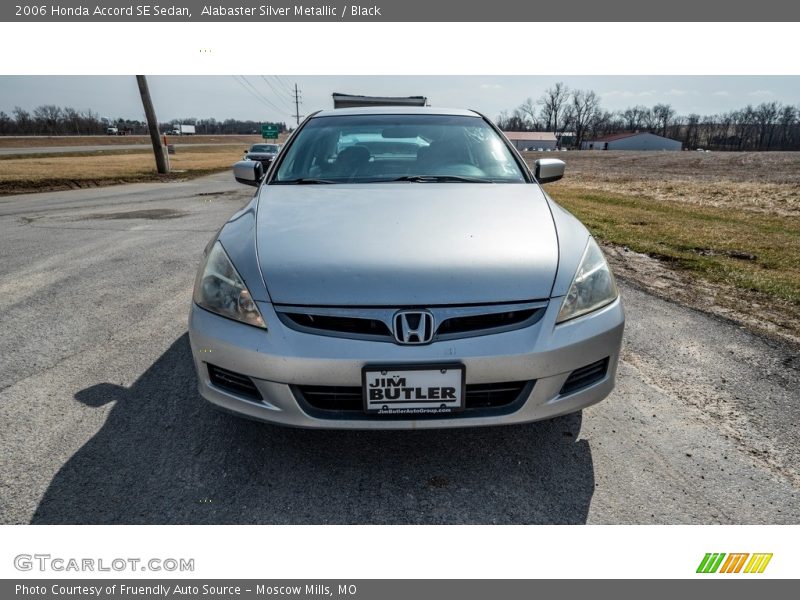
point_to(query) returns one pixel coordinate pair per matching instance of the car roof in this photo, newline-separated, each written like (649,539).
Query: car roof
(396,110)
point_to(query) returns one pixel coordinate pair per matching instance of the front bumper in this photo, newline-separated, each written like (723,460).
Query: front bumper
(265,162)
(279,359)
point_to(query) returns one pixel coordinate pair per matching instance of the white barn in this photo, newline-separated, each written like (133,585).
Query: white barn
(546,140)
(632,141)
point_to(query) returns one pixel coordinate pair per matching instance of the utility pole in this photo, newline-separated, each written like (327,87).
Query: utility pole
(152,125)
(297,104)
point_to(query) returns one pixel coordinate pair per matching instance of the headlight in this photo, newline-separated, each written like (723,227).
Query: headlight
(220,289)
(592,287)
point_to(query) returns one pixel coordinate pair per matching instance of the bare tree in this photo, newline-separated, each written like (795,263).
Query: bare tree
(48,119)
(787,118)
(691,131)
(530,112)
(584,112)
(634,117)
(663,114)
(6,123)
(53,120)
(767,115)
(552,103)
(23,120)
(515,122)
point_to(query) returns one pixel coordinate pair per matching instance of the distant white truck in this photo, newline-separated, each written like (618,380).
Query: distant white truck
(182,130)
(113,130)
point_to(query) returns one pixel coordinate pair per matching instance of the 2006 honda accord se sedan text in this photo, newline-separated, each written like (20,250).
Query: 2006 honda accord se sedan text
(401,268)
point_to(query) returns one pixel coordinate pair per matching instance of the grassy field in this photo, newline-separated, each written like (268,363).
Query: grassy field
(41,141)
(42,171)
(724,219)
(751,181)
(46,172)
(755,251)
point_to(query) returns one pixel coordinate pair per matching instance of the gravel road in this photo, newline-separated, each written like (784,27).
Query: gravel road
(100,421)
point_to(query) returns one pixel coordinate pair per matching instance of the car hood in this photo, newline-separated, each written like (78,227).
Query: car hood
(261,155)
(405,244)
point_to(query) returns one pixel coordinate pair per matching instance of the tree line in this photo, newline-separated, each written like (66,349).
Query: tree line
(579,113)
(55,120)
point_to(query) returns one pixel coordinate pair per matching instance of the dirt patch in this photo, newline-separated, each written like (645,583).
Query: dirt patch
(756,312)
(152,214)
(738,254)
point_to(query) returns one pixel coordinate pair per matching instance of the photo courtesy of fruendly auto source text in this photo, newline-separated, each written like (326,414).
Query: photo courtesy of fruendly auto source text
(390,271)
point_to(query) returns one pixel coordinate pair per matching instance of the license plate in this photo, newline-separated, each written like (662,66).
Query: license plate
(413,390)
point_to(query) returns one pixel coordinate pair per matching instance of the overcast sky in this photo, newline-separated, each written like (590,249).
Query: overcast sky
(268,98)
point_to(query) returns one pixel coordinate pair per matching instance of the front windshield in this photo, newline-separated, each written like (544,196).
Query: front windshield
(381,148)
(264,148)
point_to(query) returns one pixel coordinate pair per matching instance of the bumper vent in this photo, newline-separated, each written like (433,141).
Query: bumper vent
(235,383)
(493,395)
(328,401)
(327,397)
(585,376)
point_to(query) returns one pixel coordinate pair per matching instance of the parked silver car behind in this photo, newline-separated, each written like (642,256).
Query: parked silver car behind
(401,268)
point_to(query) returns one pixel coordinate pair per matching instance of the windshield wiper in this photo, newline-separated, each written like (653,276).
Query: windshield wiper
(305,181)
(442,179)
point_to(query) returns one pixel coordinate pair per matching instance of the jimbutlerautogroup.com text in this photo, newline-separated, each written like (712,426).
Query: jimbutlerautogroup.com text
(156,11)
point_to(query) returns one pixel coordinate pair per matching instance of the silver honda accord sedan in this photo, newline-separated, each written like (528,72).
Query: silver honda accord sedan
(402,268)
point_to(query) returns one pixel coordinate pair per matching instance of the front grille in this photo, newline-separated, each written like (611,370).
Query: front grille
(585,376)
(378,324)
(329,401)
(335,324)
(474,323)
(235,383)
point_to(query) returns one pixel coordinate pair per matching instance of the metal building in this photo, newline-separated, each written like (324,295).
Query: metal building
(632,141)
(533,140)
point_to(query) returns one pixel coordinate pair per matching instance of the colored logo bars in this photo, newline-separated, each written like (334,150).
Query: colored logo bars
(733,563)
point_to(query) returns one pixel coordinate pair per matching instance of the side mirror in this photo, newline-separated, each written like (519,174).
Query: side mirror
(547,170)
(248,172)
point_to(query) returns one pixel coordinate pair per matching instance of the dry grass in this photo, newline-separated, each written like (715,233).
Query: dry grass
(767,182)
(114,140)
(21,175)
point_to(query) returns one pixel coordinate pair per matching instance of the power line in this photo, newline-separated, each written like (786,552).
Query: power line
(277,93)
(283,83)
(283,86)
(267,100)
(249,91)
(242,80)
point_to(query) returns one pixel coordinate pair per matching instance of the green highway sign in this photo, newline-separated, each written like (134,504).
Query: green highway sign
(269,132)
